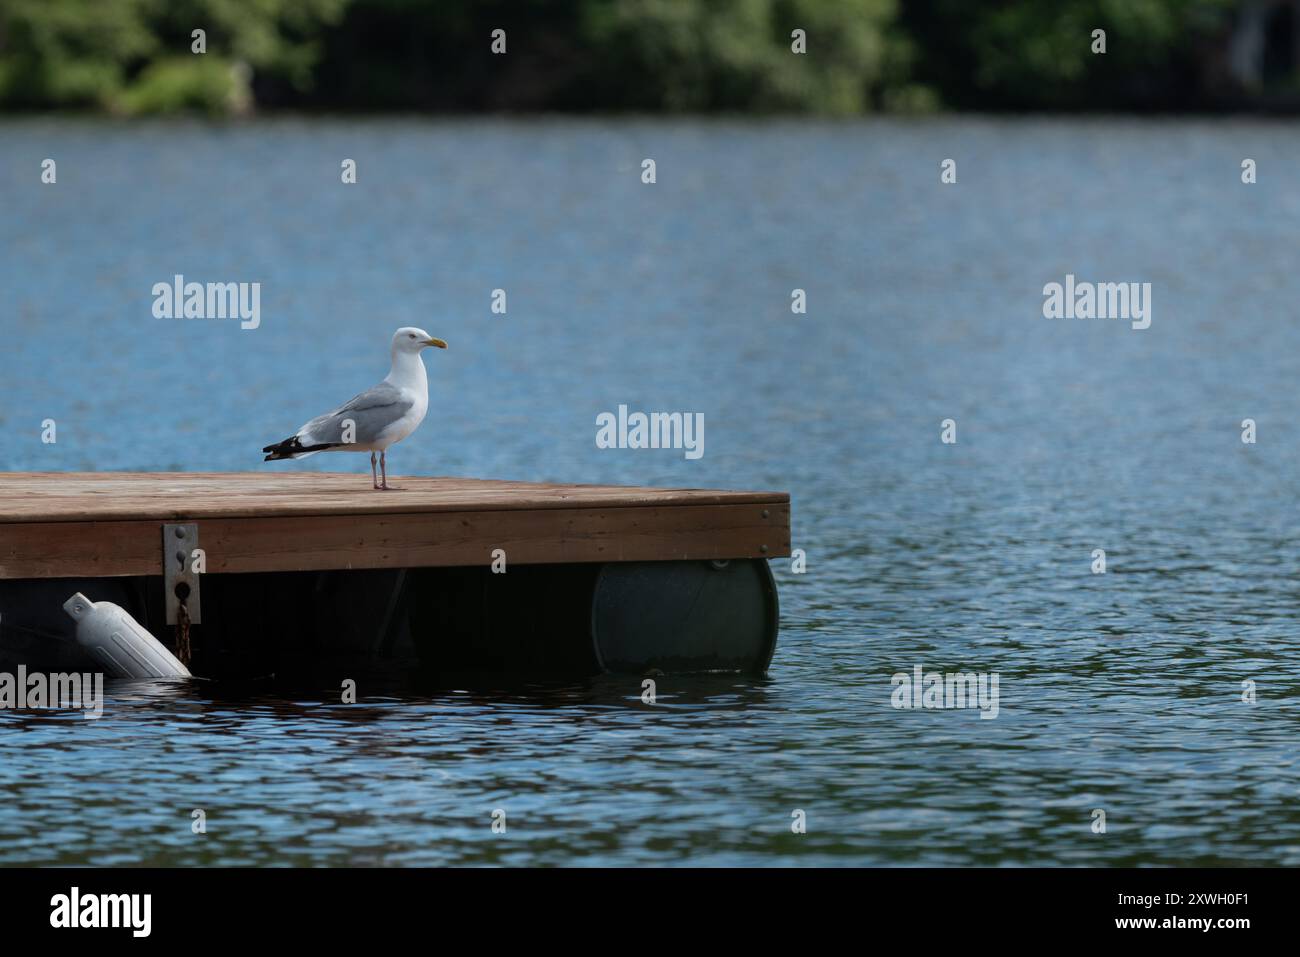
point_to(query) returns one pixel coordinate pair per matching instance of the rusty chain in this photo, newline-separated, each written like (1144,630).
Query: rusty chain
(183,634)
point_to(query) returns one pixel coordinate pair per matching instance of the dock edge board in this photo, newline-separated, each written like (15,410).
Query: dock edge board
(334,541)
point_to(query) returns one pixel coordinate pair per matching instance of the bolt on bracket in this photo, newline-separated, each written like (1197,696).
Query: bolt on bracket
(180,580)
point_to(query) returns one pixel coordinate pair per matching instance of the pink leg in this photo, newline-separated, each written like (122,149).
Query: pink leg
(383,470)
(374,478)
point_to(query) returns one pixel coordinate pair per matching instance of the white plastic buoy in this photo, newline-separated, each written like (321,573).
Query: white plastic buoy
(119,642)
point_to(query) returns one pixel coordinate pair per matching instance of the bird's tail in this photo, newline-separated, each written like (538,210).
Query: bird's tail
(292,448)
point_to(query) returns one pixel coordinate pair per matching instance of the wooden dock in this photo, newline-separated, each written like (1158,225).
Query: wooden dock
(104,524)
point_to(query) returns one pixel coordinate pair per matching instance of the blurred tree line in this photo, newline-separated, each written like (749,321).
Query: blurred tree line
(135,56)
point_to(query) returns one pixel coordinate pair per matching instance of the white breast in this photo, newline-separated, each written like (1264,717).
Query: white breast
(409,376)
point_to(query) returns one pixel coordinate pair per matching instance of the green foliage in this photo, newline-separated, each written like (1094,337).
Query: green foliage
(207,84)
(736,54)
(133,56)
(1036,55)
(70,53)
(281,38)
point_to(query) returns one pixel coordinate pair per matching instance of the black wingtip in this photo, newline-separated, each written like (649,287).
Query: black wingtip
(282,449)
(293,446)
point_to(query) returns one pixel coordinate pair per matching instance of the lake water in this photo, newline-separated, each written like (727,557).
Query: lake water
(1120,691)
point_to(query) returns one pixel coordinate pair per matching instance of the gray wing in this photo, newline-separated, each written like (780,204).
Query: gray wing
(373,411)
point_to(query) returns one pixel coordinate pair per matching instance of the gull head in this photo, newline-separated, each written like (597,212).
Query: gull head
(411,339)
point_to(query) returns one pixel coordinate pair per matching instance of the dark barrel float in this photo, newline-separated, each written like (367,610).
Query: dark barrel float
(306,573)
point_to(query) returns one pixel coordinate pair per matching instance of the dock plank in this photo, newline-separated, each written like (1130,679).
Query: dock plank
(108,524)
(105,496)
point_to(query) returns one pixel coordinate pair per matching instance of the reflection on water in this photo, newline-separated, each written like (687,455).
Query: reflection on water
(394,779)
(1120,691)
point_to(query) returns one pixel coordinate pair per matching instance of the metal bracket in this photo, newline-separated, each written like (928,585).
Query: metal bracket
(179,577)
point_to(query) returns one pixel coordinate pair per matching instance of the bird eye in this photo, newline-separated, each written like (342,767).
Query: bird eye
(413,335)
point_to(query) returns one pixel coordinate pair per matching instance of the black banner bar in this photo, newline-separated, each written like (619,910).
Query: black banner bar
(333,906)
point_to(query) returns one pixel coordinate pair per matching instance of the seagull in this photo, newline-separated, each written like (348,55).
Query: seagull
(375,419)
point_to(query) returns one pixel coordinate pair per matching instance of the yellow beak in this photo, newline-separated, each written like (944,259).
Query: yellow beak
(436,342)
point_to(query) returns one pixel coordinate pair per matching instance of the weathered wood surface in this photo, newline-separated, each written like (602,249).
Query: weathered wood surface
(108,524)
(101,496)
